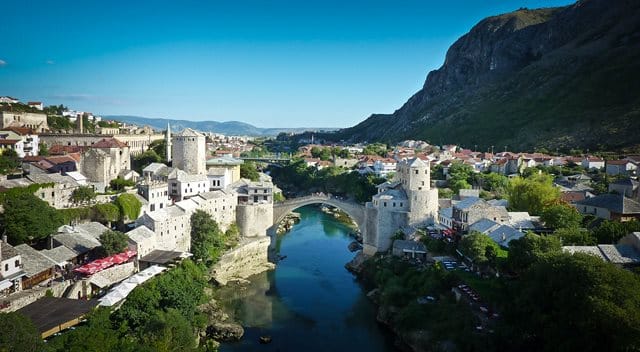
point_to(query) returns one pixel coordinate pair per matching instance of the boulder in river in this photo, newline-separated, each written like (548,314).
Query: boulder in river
(225,332)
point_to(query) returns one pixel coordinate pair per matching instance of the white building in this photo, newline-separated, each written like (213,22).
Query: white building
(183,185)
(156,194)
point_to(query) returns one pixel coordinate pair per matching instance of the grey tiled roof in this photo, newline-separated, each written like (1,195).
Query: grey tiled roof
(620,253)
(33,261)
(467,203)
(613,202)
(483,225)
(78,242)
(59,254)
(7,251)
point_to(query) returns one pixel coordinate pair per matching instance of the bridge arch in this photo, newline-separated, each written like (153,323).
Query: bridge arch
(354,210)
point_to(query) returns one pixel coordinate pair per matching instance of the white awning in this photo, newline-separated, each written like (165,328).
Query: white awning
(5,285)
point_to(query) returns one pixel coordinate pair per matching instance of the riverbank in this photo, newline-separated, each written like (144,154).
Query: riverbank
(418,305)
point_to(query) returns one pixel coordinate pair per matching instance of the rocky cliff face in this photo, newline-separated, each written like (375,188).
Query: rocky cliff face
(559,78)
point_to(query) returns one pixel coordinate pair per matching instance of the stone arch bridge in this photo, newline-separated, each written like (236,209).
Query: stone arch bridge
(353,209)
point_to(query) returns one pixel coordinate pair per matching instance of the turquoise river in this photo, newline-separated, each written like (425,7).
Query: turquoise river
(310,302)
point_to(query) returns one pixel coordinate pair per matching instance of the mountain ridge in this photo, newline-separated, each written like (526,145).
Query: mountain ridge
(235,128)
(563,77)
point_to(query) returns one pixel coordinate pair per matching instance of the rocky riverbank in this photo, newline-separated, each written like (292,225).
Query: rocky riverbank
(250,257)
(287,223)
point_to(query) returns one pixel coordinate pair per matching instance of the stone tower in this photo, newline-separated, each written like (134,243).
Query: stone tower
(167,140)
(415,177)
(189,151)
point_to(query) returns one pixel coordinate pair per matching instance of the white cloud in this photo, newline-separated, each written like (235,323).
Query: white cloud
(50,62)
(2,62)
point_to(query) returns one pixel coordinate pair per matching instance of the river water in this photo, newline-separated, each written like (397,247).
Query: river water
(310,302)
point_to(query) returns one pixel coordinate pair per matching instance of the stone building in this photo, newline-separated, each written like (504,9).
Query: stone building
(104,161)
(254,213)
(406,201)
(189,152)
(172,227)
(58,191)
(37,122)
(470,210)
(137,143)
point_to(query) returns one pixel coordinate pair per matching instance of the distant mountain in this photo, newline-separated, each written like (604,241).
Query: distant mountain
(564,78)
(231,128)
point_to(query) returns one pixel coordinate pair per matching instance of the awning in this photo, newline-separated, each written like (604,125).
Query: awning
(5,285)
(104,263)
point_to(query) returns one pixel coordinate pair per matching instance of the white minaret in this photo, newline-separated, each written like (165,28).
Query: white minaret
(167,139)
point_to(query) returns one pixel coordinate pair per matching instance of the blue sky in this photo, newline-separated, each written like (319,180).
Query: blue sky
(273,63)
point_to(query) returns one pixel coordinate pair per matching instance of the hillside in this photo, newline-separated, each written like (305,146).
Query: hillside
(231,128)
(556,78)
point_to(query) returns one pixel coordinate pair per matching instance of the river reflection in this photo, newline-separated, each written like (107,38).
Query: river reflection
(310,302)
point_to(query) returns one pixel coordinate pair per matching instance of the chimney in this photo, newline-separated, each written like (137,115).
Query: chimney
(4,239)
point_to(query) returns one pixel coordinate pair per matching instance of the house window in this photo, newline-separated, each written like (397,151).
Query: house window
(17,263)
(401,204)
(384,204)
(416,172)
(6,267)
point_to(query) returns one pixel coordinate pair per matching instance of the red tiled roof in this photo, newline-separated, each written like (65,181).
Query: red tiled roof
(20,130)
(66,149)
(8,141)
(618,162)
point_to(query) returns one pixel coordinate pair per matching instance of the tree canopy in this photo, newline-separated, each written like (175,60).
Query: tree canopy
(17,333)
(248,170)
(113,242)
(574,303)
(206,237)
(561,216)
(532,194)
(525,251)
(9,161)
(83,194)
(27,218)
(479,247)
(129,206)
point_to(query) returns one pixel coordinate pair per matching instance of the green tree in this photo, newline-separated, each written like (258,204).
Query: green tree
(573,236)
(567,297)
(118,184)
(113,242)
(527,250)
(9,161)
(160,148)
(27,218)
(493,182)
(43,149)
(143,160)
(532,194)
(206,238)
(17,333)
(83,194)
(106,213)
(129,207)
(168,331)
(248,170)
(476,246)
(460,176)
(612,231)
(561,216)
